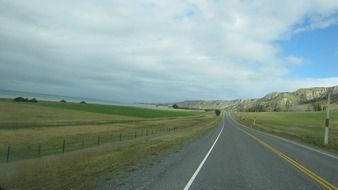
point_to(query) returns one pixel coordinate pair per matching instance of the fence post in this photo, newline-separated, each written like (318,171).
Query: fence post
(39,150)
(98,140)
(8,151)
(63,145)
(120,136)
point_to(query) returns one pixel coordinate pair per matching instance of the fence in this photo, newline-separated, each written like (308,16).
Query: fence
(59,146)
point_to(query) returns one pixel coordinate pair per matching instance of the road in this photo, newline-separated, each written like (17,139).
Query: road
(237,157)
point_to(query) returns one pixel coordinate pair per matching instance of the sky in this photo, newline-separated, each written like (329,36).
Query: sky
(167,50)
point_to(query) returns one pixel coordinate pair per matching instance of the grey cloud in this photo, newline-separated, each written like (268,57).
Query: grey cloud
(149,50)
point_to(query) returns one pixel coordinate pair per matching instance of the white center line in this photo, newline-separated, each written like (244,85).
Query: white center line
(203,161)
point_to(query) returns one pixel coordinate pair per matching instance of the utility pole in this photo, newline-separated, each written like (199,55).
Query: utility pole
(327,121)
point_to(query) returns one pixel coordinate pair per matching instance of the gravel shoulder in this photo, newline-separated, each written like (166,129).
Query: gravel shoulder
(171,169)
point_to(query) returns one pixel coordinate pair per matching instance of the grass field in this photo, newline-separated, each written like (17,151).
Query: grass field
(307,127)
(93,149)
(119,110)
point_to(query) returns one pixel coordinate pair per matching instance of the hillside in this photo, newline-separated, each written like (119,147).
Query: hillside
(304,99)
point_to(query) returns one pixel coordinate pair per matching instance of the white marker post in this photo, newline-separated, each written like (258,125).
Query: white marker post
(327,121)
(254,122)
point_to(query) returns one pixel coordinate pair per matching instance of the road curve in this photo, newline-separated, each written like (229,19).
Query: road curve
(237,157)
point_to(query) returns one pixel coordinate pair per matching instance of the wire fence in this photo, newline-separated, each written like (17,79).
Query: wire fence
(11,153)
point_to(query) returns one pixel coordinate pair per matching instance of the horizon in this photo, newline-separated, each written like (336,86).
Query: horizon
(102,101)
(159,51)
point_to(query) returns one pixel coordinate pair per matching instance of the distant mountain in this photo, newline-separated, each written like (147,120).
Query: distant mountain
(305,99)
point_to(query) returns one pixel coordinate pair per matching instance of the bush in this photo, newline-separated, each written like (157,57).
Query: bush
(256,108)
(34,100)
(63,101)
(318,106)
(83,102)
(175,106)
(20,99)
(218,112)
(277,109)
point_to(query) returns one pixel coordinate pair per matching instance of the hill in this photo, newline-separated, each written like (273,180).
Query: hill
(304,99)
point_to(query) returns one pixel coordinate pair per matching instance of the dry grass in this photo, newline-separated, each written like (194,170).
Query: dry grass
(307,127)
(24,115)
(89,168)
(25,125)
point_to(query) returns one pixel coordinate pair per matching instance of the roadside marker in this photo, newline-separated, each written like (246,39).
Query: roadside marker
(327,121)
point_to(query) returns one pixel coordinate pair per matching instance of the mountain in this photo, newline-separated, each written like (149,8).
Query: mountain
(304,99)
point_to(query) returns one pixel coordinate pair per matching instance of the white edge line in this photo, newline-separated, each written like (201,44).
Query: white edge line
(288,141)
(187,186)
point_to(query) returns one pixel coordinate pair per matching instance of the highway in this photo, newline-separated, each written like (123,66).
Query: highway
(233,156)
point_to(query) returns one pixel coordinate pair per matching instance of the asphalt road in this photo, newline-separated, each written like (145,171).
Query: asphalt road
(233,156)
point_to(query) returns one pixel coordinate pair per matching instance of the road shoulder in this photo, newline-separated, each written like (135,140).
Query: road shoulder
(171,169)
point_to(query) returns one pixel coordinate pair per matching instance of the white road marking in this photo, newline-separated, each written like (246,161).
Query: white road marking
(203,161)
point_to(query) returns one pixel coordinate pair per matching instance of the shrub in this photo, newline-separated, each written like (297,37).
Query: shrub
(22,99)
(34,100)
(83,102)
(318,106)
(218,112)
(175,106)
(63,101)
(19,99)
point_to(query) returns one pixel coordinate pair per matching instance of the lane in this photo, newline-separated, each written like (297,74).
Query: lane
(175,170)
(244,158)
(240,162)
(322,163)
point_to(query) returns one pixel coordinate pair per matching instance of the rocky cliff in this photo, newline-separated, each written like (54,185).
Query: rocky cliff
(303,99)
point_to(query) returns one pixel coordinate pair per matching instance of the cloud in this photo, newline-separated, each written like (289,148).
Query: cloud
(316,23)
(295,60)
(153,50)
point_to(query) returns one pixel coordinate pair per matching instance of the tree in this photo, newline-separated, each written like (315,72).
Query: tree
(63,101)
(218,112)
(175,106)
(288,105)
(277,109)
(257,108)
(22,99)
(318,106)
(83,102)
(19,99)
(33,100)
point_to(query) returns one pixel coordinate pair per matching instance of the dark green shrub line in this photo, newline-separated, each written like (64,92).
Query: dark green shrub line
(21,99)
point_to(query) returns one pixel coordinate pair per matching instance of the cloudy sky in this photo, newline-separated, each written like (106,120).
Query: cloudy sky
(164,51)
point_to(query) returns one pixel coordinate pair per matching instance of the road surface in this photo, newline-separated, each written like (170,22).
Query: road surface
(233,156)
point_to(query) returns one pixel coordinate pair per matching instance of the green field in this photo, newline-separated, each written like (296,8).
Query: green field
(66,145)
(119,110)
(307,127)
